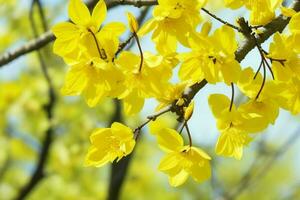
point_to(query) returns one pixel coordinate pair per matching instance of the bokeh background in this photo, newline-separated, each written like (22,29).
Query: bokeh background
(269,168)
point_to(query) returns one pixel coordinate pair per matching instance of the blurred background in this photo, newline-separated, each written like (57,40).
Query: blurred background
(45,136)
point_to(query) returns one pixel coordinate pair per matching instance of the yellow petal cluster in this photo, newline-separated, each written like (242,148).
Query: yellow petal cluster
(261,11)
(109,144)
(173,20)
(182,161)
(212,58)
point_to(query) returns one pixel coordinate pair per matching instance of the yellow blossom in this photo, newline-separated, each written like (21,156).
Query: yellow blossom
(142,81)
(261,11)
(168,94)
(231,143)
(182,161)
(211,58)
(91,74)
(173,20)
(70,34)
(109,144)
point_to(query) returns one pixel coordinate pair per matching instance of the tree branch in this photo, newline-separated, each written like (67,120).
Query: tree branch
(278,24)
(136,3)
(38,173)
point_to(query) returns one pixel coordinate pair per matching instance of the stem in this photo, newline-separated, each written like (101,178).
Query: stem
(189,134)
(270,69)
(181,129)
(281,61)
(97,44)
(140,49)
(232,97)
(261,63)
(150,118)
(221,20)
(263,83)
(262,54)
(123,45)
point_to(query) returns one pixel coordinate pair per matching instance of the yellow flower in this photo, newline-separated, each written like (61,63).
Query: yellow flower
(173,20)
(234,4)
(109,144)
(250,87)
(144,82)
(169,93)
(283,48)
(262,11)
(231,143)
(294,23)
(291,95)
(211,58)
(235,125)
(91,75)
(288,12)
(182,161)
(257,115)
(69,35)
(250,117)
(219,105)
(295,29)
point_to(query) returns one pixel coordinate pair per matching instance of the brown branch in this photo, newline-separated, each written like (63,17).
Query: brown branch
(38,173)
(30,46)
(278,24)
(136,3)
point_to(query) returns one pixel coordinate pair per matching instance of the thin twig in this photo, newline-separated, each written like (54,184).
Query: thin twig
(149,119)
(263,82)
(221,20)
(258,70)
(141,51)
(232,97)
(189,134)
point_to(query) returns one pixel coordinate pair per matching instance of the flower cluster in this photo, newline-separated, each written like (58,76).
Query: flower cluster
(101,68)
